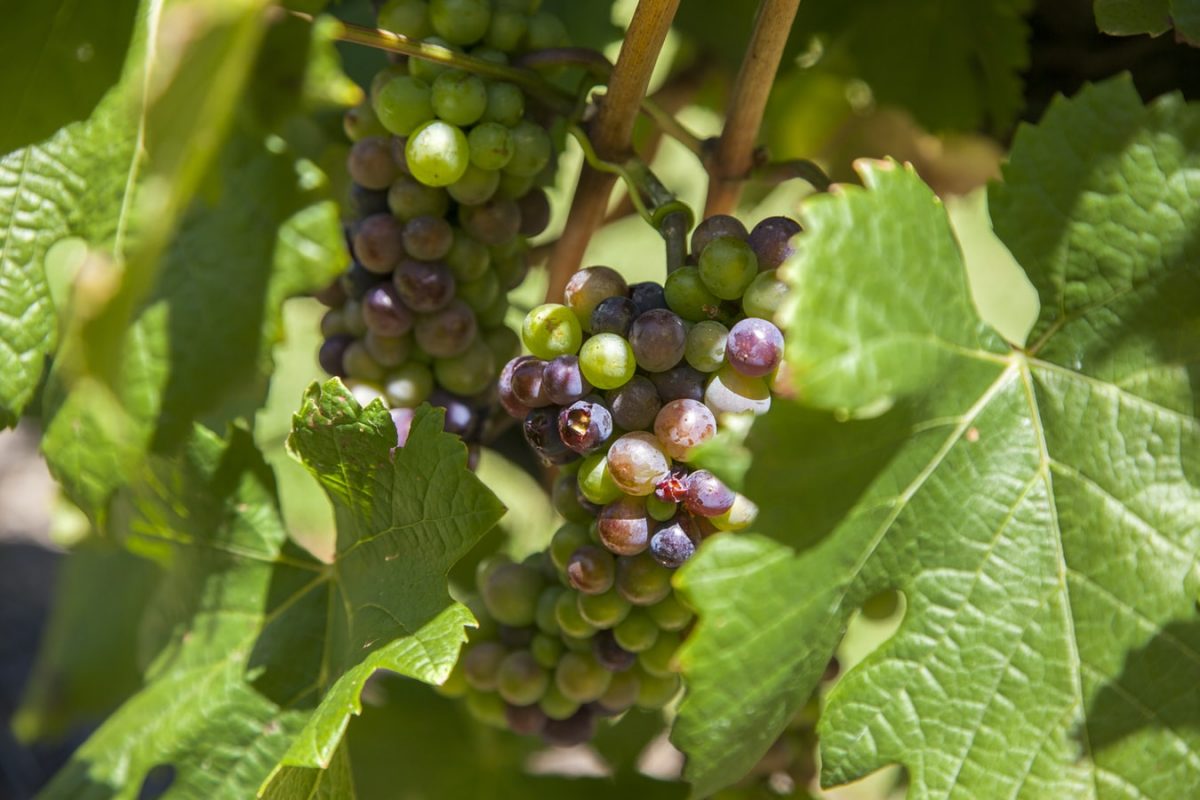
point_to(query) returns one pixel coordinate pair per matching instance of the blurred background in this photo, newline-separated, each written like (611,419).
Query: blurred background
(835,101)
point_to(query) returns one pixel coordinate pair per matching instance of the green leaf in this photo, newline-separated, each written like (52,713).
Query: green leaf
(1037,508)
(259,650)
(1134,17)
(402,522)
(57,59)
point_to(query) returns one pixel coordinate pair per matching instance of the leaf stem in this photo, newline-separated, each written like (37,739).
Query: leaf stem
(611,134)
(734,156)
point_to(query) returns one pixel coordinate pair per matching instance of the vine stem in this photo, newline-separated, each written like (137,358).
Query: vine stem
(733,157)
(611,134)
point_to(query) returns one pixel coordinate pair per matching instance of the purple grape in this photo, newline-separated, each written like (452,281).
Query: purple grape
(370,163)
(378,245)
(541,432)
(584,426)
(446,333)
(681,382)
(647,296)
(658,338)
(527,385)
(364,202)
(331,354)
(591,569)
(771,241)
(563,381)
(624,526)
(525,720)
(535,212)
(611,655)
(402,418)
(358,280)
(504,387)
(461,418)
(716,227)
(424,286)
(428,238)
(707,496)
(682,425)
(574,730)
(634,405)
(493,223)
(333,295)
(614,315)
(384,313)
(754,347)
(671,546)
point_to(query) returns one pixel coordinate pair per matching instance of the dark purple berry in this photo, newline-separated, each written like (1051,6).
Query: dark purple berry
(332,350)
(707,496)
(614,315)
(671,546)
(563,382)
(611,655)
(584,426)
(647,296)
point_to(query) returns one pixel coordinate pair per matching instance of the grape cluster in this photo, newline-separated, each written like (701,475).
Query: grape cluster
(445,168)
(622,384)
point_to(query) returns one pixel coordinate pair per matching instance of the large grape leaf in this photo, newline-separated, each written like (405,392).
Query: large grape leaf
(1134,17)
(261,651)
(200,345)
(57,59)
(114,179)
(1036,507)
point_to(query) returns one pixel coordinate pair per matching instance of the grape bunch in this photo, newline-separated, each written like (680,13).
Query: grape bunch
(622,384)
(446,167)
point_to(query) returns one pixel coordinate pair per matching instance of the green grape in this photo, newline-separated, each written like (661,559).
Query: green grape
(488,708)
(741,515)
(481,664)
(570,622)
(359,365)
(546,31)
(497,311)
(637,632)
(546,649)
(596,482)
(460,21)
(566,540)
(406,17)
(437,153)
(506,30)
(551,330)
(514,187)
(545,616)
(455,684)
(511,594)
(487,565)
(655,692)
(429,70)
(607,361)
(705,347)
(603,610)
(577,644)
(388,351)
(458,97)
(556,705)
(658,659)
(688,297)
(505,104)
(502,341)
(409,199)
(352,317)
(565,498)
(641,580)
(521,680)
(403,104)
(580,677)
(409,385)
(475,186)
(361,122)
(491,146)
(660,510)
(727,266)
(468,259)
(622,692)
(531,149)
(670,614)
(480,294)
(511,271)
(381,78)
(468,373)
(764,295)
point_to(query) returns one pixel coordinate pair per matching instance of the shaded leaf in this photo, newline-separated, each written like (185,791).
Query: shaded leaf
(1133,17)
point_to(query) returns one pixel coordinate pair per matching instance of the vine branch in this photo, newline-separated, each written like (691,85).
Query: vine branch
(611,134)
(734,155)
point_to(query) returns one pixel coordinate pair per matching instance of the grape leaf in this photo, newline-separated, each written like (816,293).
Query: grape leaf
(263,230)
(1134,17)
(57,59)
(261,650)
(1036,507)
(112,180)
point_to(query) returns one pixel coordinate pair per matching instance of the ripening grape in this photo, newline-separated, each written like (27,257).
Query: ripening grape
(481,664)
(427,237)
(535,212)
(388,351)
(659,658)
(358,364)
(384,313)
(527,382)
(574,730)
(637,632)
(636,461)
(658,339)
(370,163)
(551,330)
(688,297)
(469,372)
(588,287)
(525,720)
(681,382)
(563,381)
(570,621)
(622,692)
(727,266)
(424,286)
(447,332)
(730,392)
(614,315)
(754,347)
(707,495)
(705,348)
(610,654)
(591,569)
(671,546)
(494,223)
(595,481)
(716,227)
(332,354)
(764,296)
(378,244)
(603,610)
(635,404)
(476,186)
(641,580)
(581,677)
(510,594)
(682,425)
(624,526)
(409,386)
(521,680)
(771,241)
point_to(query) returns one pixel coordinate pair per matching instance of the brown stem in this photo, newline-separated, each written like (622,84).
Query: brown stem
(734,155)
(611,133)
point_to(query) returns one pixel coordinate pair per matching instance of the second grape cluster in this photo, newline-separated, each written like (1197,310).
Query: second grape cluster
(622,384)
